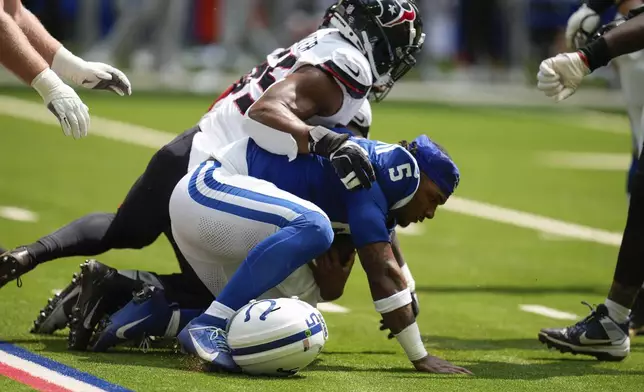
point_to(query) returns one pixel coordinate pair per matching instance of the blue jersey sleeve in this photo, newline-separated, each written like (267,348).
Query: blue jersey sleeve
(367,215)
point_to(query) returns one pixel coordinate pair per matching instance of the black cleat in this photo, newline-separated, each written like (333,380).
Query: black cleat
(597,335)
(92,304)
(57,313)
(14,264)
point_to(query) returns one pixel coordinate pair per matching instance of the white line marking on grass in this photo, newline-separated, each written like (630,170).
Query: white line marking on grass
(413,229)
(330,307)
(110,129)
(152,138)
(549,312)
(18,214)
(586,160)
(532,221)
(42,372)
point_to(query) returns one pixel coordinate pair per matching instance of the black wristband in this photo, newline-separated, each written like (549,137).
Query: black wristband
(597,54)
(600,6)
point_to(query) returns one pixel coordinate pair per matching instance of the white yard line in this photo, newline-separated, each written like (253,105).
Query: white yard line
(585,160)
(152,138)
(532,221)
(549,312)
(18,214)
(330,307)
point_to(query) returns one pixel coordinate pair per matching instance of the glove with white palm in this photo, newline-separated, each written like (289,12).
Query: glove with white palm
(560,76)
(91,75)
(581,27)
(63,102)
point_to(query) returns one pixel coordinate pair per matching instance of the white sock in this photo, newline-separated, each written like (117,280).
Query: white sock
(616,311)
(220,310)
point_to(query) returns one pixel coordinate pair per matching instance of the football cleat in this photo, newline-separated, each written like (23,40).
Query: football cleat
(208,342)
(56,314)
(91,305)
(597,335)
(148,314)
(14,264)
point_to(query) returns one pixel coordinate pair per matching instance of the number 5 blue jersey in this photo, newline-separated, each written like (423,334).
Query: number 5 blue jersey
(364,214)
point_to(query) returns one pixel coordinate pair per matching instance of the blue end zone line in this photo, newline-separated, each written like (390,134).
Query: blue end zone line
(60,368)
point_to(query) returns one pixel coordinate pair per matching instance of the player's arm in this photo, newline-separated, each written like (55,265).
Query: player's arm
(400,259)
(560,76)
(392,300)
(17,55)
(285,107)
(62,61)
(331,270)
(289,103)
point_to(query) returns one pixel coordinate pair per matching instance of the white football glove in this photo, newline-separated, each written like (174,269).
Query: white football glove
(90,75)
(63,102)
(560,76)
(584,21)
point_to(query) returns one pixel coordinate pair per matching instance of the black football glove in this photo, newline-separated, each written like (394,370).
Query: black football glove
(414,307)
(349,160)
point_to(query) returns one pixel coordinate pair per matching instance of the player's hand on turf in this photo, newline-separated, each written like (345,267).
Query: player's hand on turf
(432,364)
(584,21)
(560,76)
(414,307)
(64,103)
(351,162)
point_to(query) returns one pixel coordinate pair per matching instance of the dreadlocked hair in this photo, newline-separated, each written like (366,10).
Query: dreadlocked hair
(413,147)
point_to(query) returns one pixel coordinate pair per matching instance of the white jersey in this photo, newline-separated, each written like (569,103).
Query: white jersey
(631,74)
(325,49)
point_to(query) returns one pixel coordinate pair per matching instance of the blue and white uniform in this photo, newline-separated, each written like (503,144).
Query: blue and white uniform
(224,209)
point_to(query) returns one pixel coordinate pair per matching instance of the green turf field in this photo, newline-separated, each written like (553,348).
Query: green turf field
(472,274)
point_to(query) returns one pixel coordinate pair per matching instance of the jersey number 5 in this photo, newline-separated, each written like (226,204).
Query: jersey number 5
(400,172)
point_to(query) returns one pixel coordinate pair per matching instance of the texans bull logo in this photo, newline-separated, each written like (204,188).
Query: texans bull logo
(395,12)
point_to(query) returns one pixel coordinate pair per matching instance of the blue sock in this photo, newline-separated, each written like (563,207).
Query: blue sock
(276,257)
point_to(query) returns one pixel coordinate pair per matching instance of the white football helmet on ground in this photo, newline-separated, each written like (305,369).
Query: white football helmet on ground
(276,337)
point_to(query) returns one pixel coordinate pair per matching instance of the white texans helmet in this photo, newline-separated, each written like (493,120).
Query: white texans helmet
(276,337)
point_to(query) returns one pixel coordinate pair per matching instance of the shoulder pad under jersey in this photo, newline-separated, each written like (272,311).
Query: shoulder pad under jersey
(327,50)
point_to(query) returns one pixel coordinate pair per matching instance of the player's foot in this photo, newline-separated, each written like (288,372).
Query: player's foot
(208,342)
(148,314)
(597,335)
(637,316)
(14,264)
(56,314)
(91,305)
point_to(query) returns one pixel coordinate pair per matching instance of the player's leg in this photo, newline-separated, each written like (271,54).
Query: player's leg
(604,333)
(138,222)
(217,216)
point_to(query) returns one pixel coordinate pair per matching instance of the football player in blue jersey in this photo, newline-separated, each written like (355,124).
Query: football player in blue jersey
(258,218)
(287,104)
(173,298)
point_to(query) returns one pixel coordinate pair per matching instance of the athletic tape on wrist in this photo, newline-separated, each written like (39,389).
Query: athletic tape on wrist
(396,301)
(411,341)
(411,283)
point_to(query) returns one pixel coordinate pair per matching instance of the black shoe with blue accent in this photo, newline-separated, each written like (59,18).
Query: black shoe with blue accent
(597,335)
(148,314)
